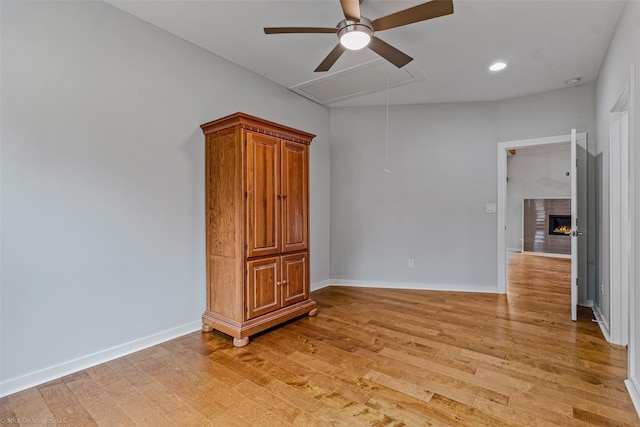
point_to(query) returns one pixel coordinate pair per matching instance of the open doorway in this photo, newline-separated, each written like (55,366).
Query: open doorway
(538,225)
(577,175)
(539,200)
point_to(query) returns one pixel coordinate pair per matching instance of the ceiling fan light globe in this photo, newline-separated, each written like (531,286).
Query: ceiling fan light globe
(354,35)
(355,40)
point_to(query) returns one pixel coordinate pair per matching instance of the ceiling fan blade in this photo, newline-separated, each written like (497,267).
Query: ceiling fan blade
(351,9)
(422,12)
(331,59)
(388,52)
(300,30)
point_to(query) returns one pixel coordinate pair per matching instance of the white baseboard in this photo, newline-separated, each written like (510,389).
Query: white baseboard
(518,250)
(320,285)
(417,286)
(634,392)
(604,325)
(14,385)
(548,254)
(588,303)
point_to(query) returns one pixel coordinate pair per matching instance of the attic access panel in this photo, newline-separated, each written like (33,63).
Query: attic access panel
(359,80)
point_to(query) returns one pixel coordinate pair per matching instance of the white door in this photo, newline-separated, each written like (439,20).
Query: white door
(578,219)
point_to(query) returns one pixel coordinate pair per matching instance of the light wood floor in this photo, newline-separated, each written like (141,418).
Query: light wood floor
(372,357)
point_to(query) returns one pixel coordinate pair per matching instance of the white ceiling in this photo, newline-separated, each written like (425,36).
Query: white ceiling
(543,42)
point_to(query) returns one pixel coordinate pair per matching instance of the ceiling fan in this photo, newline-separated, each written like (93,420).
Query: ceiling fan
(356,32)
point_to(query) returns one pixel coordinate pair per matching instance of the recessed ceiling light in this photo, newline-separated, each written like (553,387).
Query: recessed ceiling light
(497,66)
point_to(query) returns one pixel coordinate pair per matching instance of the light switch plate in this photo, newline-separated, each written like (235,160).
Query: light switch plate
(490,208)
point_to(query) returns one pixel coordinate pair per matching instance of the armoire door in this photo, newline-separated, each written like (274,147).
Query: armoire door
(263,195)
(263,283)
(295,198)
(295,278)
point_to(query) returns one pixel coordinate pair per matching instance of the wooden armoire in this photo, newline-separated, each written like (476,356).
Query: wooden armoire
(257,224)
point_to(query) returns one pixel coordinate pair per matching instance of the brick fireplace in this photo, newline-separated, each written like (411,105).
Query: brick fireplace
(546,226)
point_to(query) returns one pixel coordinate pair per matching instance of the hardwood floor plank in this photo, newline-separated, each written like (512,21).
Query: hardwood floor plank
(64,404)
(409,417)
(255,414)
(510,414)
(554,382)
(27,404)
(103,374)
(329,384)
(596,419)
(448,389)
(280,407)
(313,406)
(466,414)
(324,351)
(183,388)
(172,406)
(158,397)
(539,411)
(441,370)
(399,385)
(135,405)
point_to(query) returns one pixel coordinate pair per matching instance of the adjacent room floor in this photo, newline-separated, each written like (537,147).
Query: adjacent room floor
(371,357)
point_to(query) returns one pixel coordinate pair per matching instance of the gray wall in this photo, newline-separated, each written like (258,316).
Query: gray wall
(534,173)
(427,208)
(525,117)
(614,73)
(102,181)
(432,206)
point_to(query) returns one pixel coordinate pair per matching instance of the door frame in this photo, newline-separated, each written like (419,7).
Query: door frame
(621,214)
(502,149)
(632,383)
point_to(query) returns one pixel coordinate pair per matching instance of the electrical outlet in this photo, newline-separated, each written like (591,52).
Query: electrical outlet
(411,263)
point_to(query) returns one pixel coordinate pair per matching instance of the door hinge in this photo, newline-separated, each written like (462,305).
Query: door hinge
(246,194)
(246,247)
